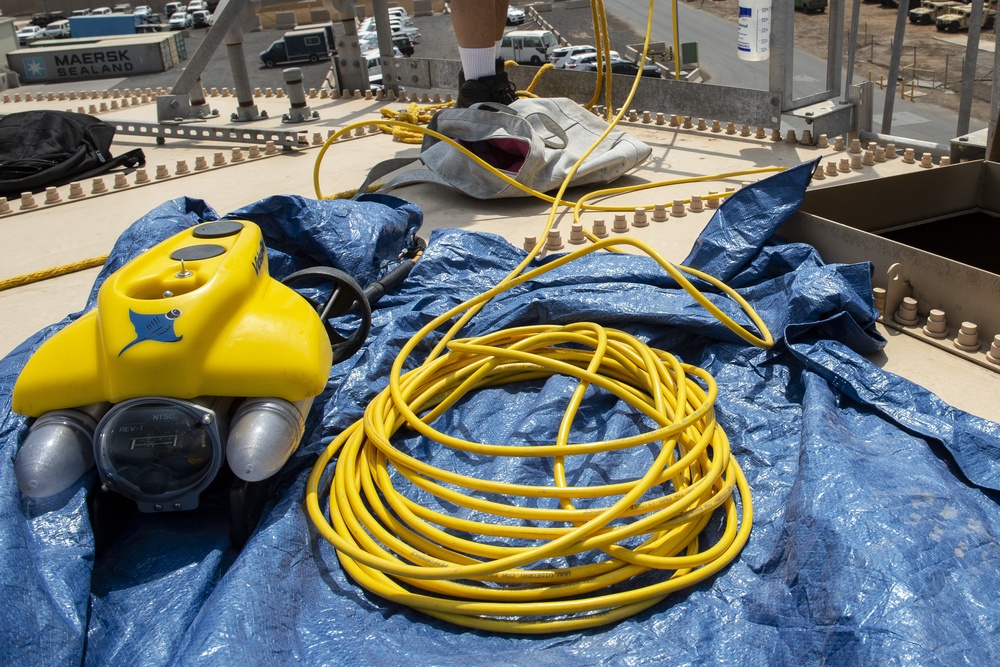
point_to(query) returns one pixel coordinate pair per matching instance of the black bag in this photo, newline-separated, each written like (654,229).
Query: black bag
(39,149)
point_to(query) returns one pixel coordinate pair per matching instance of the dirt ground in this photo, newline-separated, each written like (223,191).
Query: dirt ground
(924,51)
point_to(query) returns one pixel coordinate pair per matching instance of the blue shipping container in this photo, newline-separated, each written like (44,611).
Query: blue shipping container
(107,24)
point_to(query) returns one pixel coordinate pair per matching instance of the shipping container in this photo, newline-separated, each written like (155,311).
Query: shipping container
(141,54)
(100,25)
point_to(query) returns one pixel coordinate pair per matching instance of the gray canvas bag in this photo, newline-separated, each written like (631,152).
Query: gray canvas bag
(534,140)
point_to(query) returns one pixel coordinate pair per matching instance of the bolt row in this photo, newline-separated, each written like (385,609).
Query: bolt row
(966,338)
(640,218)
(120,181)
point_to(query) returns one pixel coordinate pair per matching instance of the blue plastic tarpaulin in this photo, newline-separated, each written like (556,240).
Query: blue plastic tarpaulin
(876,512)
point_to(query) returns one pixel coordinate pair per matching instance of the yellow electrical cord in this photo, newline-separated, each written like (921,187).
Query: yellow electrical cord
(547,558)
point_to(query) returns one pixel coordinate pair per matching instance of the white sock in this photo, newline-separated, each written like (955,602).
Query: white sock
(477,63)
(497,56)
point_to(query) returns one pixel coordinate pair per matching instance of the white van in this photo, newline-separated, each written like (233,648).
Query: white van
(57,29)
(528,47)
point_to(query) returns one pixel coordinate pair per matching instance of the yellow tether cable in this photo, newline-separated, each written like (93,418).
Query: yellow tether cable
(53,272)
(547,558)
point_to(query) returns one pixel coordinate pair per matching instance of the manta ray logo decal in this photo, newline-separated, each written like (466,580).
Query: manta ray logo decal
(153,327)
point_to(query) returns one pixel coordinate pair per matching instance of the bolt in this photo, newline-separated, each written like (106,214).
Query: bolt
(790,137)
(219,159)
(926,160)
(823,142)
(75,190)
(576,235)
(200,163)
(776,134)
(968,337)
(639,218)
(937,325)
(97,186)
(878,297)
(659,213)
(712,201)
(907,313)
(677,209)
(121,181)
(620,224)
(994,354)
(696,204)
(554,240)
(141,176)
(599,229)
(182,167)
(838,144)
(52,196)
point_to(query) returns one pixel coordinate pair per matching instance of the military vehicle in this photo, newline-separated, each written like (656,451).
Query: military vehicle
(959,18)
(929,10)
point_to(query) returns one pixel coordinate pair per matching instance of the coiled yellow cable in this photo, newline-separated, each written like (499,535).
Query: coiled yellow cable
(547,558)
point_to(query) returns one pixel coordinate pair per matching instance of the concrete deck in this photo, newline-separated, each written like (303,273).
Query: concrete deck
(75,229)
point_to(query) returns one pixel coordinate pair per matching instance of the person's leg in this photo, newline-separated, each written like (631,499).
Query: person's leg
(479,25)
(501,22)
(476,32)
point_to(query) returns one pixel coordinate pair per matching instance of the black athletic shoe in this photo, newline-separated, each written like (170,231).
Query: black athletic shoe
(496,88)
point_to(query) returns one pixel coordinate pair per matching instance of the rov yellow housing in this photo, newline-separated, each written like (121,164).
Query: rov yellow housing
(196,315)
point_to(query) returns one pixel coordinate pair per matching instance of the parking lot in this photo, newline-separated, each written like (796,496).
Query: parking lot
(437,42)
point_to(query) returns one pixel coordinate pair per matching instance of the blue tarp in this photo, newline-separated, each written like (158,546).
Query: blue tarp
(876,510)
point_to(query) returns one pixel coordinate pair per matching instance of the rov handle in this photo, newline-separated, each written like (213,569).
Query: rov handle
(346,292)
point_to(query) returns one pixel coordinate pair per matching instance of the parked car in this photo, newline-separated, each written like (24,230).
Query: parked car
(180,21)
(195,6)
(621,66)
(101,11)
(57,29)
(404,44)
(396,27)
(171,8)
(589,58)
(29,34)
(122,8)
(561,54)
(810,6)
(201,19)
(401,14)
(143,10)
(80,12)
(514,16)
